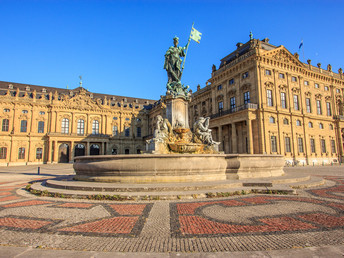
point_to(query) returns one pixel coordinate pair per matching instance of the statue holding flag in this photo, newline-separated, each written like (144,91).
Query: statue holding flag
(173,65)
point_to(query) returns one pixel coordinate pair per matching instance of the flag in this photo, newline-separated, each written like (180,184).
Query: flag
(301,44)
(195,35)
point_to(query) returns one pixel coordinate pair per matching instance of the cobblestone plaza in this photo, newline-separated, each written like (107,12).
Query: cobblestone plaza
(245,223)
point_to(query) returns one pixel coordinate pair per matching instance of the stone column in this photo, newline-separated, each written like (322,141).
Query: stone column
(234,139)
(87,148)
(249,137)
(102,149)
(71,152)
(220,138)
(50,148)
(56,150)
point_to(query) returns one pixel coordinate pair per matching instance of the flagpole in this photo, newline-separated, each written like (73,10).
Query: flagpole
(186,51)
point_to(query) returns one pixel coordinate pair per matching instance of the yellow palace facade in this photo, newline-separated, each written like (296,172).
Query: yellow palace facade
(50,125)
(263,99)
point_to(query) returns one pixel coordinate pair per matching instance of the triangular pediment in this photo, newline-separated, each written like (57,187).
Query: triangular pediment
(281,54)
(82,101)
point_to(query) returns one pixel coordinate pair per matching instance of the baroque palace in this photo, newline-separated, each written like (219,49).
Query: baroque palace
(50,125)
(261,99)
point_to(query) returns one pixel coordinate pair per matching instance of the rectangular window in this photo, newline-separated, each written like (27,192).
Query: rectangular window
(300,144)
(231,81)
(306,83)
(65,126)
(308,105)
(5,125)
(328,109)
(273,144)
(245,75)
(281,76)
(283,100)
(219,87)
(232,101)
(220,106)
(95,127)
(312,145)
(316,85)
(247,97)
(326,88)
(126,131)
(115,130)
(3,153)
(80,130)
(138,131)
(21,153)
(296,102)
(293,79)
(23,126)
(269,98)
(287,144)
(319,112)
(333,146)
(268,72)
(323,145)
(40,127)
(39,153)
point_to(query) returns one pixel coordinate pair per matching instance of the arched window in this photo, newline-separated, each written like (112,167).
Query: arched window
(285,121)
(321,126)
(310,125)
(272,120)
(80,130)
(298,122)
(5,125)
(126,151)
(95,127)
(65,126)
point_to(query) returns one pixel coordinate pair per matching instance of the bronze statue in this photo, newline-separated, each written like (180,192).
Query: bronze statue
(173,61)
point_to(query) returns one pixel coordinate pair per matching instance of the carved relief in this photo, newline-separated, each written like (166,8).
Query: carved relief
(220,97)
(327,98)
(308,94)
(283,87)
(318,96)
(296,90)
(269,85)
(231,93)
(82,102)
(245,87)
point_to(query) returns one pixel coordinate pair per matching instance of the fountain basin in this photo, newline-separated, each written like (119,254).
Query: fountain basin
(151,168)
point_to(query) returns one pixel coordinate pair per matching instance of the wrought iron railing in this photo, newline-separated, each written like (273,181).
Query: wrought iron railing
(233,110)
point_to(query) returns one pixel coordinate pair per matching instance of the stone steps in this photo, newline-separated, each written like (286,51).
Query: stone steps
(165,195)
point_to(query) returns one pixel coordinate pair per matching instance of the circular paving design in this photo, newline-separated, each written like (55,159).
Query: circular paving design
(249,222)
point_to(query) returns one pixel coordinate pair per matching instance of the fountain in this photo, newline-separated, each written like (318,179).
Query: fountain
(177,154)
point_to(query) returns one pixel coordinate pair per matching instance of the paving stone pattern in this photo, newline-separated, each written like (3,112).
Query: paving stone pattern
(243,223)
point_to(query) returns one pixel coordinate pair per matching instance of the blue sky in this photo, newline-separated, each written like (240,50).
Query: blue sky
(118,46)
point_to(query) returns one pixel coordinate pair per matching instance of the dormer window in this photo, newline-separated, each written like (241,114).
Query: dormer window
(10,86)
(44,90)
(27,88)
